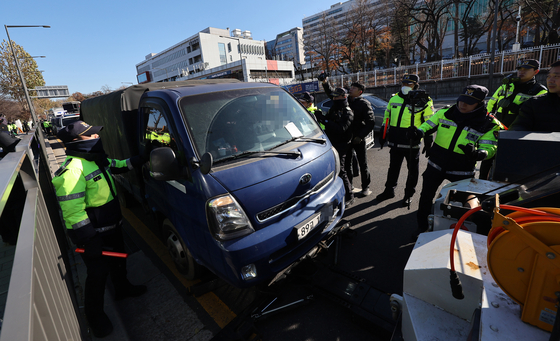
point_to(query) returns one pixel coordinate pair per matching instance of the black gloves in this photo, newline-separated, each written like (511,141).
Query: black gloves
(138,160)
(93,247)
(357,140)
(472,152)
(428,140)
(414,133)
(322,77)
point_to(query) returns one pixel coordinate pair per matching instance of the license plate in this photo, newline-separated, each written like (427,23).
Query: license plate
(308,226)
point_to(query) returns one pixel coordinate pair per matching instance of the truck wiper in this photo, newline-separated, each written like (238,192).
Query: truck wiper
(304,139)
(237,156)
(309,139)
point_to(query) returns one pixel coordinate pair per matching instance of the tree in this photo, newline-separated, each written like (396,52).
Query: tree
(429,18)
(321,43)
(10,108)
(544,15)
(10,82)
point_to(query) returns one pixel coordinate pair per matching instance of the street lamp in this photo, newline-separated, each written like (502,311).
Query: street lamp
(33,115)
(31,109)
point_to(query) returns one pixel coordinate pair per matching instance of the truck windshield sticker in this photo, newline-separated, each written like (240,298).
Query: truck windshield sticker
(293,130)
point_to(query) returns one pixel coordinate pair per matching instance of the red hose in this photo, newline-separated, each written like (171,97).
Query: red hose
(541,216)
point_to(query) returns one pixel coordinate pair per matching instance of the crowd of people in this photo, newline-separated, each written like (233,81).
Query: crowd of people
(454,138)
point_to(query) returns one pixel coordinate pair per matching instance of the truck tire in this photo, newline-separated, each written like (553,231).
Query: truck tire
(182,257)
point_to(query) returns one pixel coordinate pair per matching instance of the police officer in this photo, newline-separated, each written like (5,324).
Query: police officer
(338,122)
(509,97)
(361,127)
(399,118)
(92,215)
(306,99)
(542,113)
(466,133)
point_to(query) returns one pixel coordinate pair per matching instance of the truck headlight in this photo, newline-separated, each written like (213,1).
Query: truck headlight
(226,218)
(337,162)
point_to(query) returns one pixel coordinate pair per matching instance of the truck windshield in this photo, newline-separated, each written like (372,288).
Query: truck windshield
(233,122)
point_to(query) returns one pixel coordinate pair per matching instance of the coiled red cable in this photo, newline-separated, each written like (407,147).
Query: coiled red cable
(537,216)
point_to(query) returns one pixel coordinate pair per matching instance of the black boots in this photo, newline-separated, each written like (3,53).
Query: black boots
(387,194)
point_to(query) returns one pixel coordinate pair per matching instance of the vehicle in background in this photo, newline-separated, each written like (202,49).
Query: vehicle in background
(72,108)
(377,104)
(60,122)
(241,178)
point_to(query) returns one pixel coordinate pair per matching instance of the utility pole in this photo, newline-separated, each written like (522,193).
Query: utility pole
(493,53)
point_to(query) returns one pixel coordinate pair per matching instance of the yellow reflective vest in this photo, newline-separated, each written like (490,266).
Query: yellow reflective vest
(508,115)
(83,193)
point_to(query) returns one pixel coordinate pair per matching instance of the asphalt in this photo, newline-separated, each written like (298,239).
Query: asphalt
(160,314)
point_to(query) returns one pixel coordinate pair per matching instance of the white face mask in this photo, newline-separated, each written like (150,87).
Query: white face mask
(405,90)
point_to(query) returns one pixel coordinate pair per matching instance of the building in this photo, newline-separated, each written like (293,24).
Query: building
(314,30)
(215,53)
(287,46)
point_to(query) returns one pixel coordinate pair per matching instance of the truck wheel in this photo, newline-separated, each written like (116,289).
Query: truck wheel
(180,254)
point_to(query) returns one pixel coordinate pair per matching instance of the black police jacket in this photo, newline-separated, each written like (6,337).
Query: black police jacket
(337,125)
(364,120)
(540,113)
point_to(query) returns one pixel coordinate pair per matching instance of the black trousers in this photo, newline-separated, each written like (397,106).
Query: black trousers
(99,268)
(485,167)
(342,150)
(397,155)
(433,178)
(361,153)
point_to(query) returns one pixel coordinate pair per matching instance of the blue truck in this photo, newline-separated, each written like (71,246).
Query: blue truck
(241,178)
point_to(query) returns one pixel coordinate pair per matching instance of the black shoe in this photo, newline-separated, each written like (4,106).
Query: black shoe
(100,325)
(385,195)
(406,202)
(130,291)
(349,203)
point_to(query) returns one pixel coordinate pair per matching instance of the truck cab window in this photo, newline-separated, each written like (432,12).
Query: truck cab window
(157,130)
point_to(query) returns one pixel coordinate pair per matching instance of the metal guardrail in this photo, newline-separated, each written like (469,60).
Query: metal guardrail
(476,65)
(40,303)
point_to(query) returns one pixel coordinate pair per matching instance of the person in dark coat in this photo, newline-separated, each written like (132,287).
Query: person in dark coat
(542,113)
(338,122)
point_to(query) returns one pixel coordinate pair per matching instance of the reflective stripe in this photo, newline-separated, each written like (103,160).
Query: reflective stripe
(129,164)
(431,163)
(391,144)
(93,174)
(450,123)
(431,124)
(107,228)
(71,196)
(81,224)
(459,173)
(397,104)
(495,143)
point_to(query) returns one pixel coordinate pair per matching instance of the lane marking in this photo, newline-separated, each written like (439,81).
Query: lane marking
(217,309)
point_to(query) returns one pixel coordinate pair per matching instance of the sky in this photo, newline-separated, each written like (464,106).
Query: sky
(97,43)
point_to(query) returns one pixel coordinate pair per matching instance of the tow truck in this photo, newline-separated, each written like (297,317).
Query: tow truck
(489,268)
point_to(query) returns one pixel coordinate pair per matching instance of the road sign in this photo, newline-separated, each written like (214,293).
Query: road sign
(53,91)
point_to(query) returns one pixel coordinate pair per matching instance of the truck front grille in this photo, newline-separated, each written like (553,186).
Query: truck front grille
(286,205)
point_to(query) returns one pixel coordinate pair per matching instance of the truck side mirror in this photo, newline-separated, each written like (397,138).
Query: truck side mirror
(205,163)
(164,165)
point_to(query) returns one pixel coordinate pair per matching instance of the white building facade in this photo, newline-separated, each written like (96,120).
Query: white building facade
(215,53)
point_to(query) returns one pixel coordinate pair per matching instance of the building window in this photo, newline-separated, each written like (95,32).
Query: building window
(188,49)
(196,46)
(222,51)
(229,47)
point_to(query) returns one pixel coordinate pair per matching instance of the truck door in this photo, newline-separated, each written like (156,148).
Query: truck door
(175,199)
